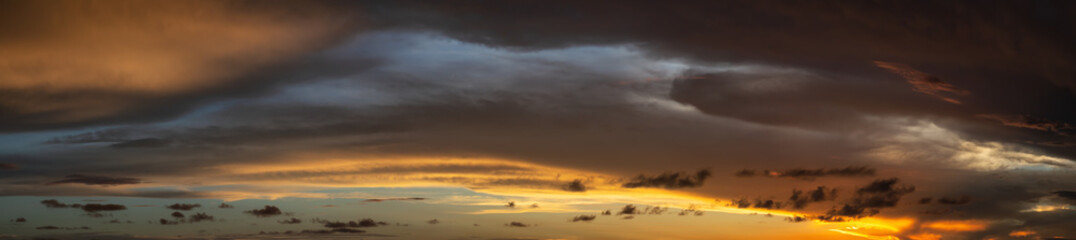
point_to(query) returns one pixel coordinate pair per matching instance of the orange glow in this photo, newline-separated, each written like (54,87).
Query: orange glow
(958,225)
(1022,233)
(925,236)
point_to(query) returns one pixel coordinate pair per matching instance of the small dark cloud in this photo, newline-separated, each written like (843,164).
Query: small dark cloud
(97,180)
(94,207)
(20,219)
(167,222)
(53,203)
(183,206)
(290,221)
(584,218)
(954,201)
(628,209)
(607,212)
(510,204)
(225,205)
(767,204)
(178,215)
(50,227)
(267,211)
(869,200)
(198,217)
(575,186)
(809,174)
(669,180)
(516,224)
(799,199)
(393,199)
(433,221)
(740,203)
(140,143)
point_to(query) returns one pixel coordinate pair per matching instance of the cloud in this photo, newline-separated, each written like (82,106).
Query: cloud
(1067,195)
(94,207)
(177,215)
(290,221)
(60,73)
(799,199)
(575,186)
(53,203)
(869,199)
(924,82)
(584,218)
(97,180)
(629,209)
(183,206)
(267,211)
(516,224)
(198,217)
(669,180)
(1029,122)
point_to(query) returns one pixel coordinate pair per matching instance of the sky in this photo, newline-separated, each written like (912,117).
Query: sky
(913,120)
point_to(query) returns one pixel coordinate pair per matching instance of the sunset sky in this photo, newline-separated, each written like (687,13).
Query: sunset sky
(912,120)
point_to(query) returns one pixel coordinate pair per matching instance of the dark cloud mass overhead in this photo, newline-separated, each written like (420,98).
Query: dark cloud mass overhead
(831,119)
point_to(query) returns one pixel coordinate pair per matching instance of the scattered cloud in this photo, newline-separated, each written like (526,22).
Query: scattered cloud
(267,211)
(669,180)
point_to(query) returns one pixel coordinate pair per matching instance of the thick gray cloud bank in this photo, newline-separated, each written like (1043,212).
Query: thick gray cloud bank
(955,98)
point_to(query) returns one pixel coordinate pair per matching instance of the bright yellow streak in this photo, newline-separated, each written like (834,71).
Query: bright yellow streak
(957,225)
(888,237)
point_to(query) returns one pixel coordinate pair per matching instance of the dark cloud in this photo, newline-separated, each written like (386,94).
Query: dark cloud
(575,186)
(290,221)
(516,224)
(392,199)
(267,211)
(629,209)
(433,221)
(50,227)
(669,180)
(869,199)
(1067,195)
(584,218)
(198,217)
(799,199)
(183,206)
(94,207)
(225,205)
(511,204)
(97,180)
(178,215)
(21,219)
(53,203)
